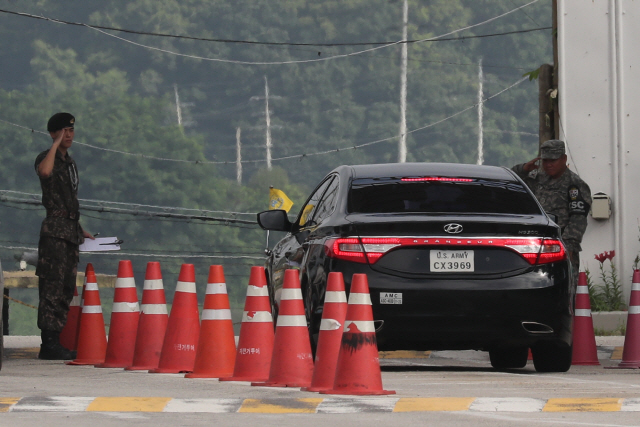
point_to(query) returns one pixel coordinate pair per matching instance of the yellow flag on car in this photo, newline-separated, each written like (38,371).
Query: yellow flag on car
(279,200)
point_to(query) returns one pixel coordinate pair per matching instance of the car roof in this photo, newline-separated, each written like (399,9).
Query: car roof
(426,169)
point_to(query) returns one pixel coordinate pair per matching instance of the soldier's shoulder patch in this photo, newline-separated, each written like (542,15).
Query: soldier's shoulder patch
(577,203)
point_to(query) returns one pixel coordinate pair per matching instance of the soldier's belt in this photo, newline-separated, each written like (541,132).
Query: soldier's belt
(58,213)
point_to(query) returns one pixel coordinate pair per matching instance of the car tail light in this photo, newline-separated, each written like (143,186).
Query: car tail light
(371,249)
(361,250)
(538,251)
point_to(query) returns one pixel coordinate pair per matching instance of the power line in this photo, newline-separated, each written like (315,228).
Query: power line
(137,205)
(149,214)
(263,43)
(230,61)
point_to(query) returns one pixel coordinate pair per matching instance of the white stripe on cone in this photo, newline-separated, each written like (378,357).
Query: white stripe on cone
(634,309)
(257,316)
(216,314)
(153,285)
(154,308)
(583,312)
(582,290)
(216,288)
(125,307)
(125,282)
(291,294)
(335,296)
(188,287)
(291,320)
(91,287)
(356,298)
(329,325)
(255,291)
(92,309)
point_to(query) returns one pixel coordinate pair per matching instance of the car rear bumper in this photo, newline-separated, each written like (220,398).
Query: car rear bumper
(480,314)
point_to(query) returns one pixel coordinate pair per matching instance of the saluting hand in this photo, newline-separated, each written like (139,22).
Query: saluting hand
(531,165)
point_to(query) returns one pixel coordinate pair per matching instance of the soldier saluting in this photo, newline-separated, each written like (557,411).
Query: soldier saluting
(560,191)
(60,236)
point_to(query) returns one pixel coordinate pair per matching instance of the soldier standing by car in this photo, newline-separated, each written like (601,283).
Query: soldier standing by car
(60,236)
(561,192)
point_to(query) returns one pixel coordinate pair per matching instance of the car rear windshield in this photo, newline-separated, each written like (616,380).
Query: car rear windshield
(395,195)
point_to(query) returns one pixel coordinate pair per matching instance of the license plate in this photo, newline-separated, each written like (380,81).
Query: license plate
(390,297)
(451,261)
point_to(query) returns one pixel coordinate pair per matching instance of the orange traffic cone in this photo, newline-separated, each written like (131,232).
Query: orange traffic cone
(69,334)
(584,338)
(153,321)
(631,351)
(334,314)
(88,270)
(358,369)
(92,338)
(255,346)
(216,355)
(291,360)
(124,320)
(180,340)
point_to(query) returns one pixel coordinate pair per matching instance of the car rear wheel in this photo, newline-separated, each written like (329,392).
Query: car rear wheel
(508,357)
(552,357)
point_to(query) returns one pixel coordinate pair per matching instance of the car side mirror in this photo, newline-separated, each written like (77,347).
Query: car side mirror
(553,217)
(274,220)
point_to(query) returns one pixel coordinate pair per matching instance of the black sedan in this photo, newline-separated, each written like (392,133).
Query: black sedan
(457,257)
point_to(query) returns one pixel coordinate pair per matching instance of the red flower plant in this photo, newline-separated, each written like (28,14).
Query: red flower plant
(605,256)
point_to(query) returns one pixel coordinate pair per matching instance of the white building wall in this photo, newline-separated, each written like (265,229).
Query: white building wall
(599,99)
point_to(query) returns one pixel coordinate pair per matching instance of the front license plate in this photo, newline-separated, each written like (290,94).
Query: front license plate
(390,297)
(451,261)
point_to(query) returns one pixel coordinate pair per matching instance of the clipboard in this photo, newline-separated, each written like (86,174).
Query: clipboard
(101,244)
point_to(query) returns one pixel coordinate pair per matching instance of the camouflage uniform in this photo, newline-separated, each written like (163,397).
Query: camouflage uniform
(569,198)
(60,236)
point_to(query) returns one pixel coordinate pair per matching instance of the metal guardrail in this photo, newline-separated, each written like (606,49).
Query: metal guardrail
(28,280)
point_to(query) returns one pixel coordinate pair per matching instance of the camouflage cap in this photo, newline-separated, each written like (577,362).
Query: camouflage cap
(552,149)
(60,121)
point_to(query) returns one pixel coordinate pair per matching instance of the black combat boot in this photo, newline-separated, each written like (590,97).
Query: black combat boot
(51,349)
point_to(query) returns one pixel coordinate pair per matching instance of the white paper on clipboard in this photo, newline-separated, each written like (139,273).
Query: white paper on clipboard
(100,244)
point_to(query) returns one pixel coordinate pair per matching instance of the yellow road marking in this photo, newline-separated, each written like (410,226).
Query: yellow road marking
(128,404)
(7,402)
(583,405)
(291,406)
(404,354)
(420,404)
(617,353)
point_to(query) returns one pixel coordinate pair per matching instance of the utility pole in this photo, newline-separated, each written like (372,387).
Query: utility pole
(554,29)
(238,157)
(178,107)
(480,114)
(266,111)
(402,145)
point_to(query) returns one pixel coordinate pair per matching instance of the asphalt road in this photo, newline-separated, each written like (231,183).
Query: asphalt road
(441,388)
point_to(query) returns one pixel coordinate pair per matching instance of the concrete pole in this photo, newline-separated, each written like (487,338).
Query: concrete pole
(480,114)
(402,144)
(238,157)
(268,119)
(546,113)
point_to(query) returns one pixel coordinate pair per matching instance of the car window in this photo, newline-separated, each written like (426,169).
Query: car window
(327,204)
(393,195)
(308,211)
